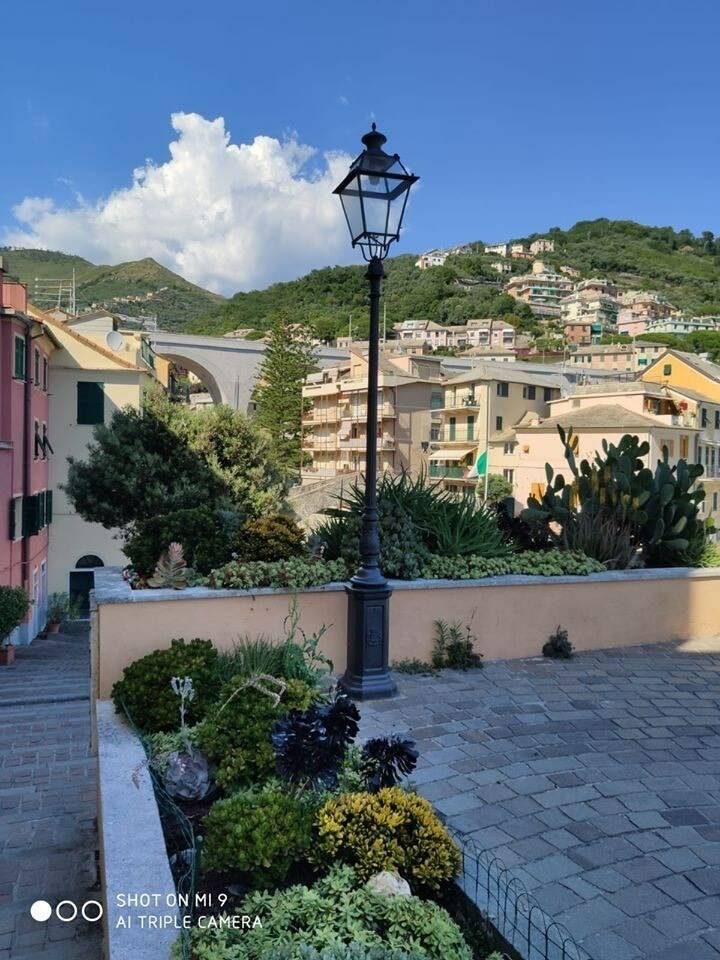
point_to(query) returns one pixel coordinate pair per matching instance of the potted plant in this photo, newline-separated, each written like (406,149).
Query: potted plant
(14,605)
(60,607)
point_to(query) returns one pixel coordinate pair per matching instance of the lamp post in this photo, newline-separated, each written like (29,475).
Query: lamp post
(373,194)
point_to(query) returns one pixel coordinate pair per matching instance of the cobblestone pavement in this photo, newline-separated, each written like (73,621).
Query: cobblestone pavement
(597,781)
(48,797)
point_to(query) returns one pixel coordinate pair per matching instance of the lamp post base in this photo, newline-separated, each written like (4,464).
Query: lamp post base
(367,676)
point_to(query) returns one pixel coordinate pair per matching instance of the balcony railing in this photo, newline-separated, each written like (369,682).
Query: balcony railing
(462,434)
(439,471)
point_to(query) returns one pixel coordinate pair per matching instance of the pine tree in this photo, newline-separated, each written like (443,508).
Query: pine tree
(288,359)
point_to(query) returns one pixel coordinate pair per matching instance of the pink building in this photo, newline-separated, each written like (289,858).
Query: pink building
(25,499)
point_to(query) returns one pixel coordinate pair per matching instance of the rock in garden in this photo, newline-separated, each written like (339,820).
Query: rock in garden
(389,884)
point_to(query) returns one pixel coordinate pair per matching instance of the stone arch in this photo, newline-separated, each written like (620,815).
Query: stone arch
(200,370)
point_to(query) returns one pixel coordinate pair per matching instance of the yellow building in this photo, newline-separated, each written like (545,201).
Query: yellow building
(695,383)
(96,370)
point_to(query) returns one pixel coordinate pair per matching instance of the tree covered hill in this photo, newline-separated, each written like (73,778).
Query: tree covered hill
(173,299)
(684,267)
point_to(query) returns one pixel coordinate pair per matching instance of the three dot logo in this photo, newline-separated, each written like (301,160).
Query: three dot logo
(66,911)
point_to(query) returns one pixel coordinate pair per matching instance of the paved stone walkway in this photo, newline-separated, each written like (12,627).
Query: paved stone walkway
(48,796)
(597,781)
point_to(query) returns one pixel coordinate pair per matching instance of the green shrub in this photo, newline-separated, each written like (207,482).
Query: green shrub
(145,690)
(329,916)
(388,830)
(463,527)
(206,535)
(558,646)
(298,572)
(271,538)
(548,563)
(61,606)
(601,537)
(236,734)
(14,605)
(454,647)
(259,833)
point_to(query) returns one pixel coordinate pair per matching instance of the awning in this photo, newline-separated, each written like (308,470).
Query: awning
(452,454)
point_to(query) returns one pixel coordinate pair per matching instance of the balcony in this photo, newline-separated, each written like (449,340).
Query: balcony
(321,415)
(359,443)
(471,402)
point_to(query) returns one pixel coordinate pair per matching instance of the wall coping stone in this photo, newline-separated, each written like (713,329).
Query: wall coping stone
(111,587)
(133,855)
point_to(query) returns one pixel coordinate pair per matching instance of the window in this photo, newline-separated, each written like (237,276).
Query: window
(15,525)
(436,401)
(547,394)
(37,443)
(471,428)
(19,373)
(498,423)
(508,448)
(30,516)
(451,428)
(36,368)
(88,561)
(529,392)
(90,402)
(502,389)
(715,502)
(434,434)
(667,369)
(717,419)
(703,417)
(684,446)
(508,475)
(45,374)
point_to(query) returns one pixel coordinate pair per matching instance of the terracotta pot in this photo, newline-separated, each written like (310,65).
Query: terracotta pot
(7,655)
(53,626)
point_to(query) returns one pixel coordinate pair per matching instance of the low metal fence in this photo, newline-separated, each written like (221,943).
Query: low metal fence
(522,927)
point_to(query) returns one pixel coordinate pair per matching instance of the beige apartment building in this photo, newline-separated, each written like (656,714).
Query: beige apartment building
(479,410)
(591,306)
(410,395)
(542,289)
(621,357)
(488,332)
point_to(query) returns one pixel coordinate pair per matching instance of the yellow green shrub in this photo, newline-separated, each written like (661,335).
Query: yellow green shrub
(388,830)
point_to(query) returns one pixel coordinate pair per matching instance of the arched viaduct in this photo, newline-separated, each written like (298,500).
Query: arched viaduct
(226,366)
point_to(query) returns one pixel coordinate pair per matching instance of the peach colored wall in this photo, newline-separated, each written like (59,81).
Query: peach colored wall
(596,614)
(605,610)
(125,631)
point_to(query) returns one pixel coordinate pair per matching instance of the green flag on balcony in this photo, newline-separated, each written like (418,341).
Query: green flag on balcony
(481,465)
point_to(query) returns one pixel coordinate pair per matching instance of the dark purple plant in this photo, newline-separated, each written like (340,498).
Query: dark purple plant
(391,759)
(310,745)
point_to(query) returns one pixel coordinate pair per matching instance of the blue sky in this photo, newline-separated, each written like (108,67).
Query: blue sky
(517,117)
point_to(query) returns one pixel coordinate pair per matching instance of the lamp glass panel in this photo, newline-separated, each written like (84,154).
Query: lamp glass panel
(350,198)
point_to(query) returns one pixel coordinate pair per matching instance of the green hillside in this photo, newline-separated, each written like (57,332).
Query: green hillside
(684,267)
(173,299)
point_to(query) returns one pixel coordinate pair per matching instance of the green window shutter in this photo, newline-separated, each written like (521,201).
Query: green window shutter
(11,521)
(48,507)
(19,358)
(30,516)
(42,522)
(90,402)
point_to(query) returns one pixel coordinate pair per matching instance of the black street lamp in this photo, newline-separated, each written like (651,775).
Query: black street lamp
(373,195)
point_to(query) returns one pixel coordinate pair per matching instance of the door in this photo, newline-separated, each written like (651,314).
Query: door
(81,583)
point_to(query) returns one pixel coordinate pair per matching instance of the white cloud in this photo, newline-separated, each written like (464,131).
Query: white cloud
(227,216)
